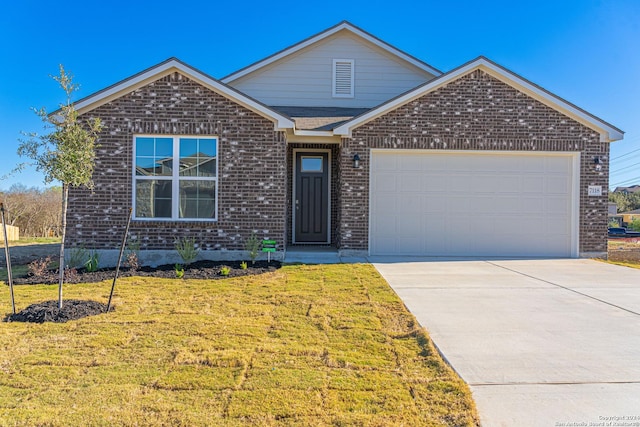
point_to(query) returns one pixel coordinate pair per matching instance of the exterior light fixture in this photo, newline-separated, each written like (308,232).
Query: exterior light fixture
(356,161)
(597,162)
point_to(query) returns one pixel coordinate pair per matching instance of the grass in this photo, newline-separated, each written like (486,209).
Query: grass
(632,264)
(16,271)
(307,345)
(30,241)
(623,244)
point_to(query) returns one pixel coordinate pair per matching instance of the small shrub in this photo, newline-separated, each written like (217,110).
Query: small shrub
(243,265)
(77,257)
(224,270)
(132,259)
(40,267)
(252,245)
(70,274)
(92,263)
(186,248)
(634,224)
(614,223)
(179,271)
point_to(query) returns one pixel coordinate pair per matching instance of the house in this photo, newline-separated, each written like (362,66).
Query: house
(628,217)
(627,190)
(343,140)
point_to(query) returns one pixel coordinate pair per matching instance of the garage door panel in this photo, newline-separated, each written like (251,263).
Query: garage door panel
(387,203)
(556,206)
(434,183)
(386,182)
(381,163)
(472,204)
(410,163)
(411,181)
(533,184)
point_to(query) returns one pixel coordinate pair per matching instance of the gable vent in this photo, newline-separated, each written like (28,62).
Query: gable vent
(343,78)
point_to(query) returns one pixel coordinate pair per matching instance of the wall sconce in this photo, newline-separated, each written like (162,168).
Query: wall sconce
(597,162)
(356,161)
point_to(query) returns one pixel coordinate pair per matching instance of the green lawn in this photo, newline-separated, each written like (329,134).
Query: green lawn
(306,345)
(30,241)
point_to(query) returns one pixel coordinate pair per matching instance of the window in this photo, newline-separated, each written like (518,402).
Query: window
(185,192)
(311,164)
(343,76)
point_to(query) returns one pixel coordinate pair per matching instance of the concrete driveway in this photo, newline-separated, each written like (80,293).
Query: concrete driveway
(540,342)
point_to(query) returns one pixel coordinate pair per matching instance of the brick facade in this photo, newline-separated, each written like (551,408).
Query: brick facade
(474,112)
(251,169)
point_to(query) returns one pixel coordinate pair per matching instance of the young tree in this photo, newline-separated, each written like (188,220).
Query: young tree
(65,154)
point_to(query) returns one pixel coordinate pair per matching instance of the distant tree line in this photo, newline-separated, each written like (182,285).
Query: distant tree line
(625,201)
(35,211)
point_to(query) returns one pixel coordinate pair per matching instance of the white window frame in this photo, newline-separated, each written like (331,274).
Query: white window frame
(175,179)
(352,78)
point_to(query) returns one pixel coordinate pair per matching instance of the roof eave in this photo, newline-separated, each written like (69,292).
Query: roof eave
(281,122)
(608,132)
(344,25)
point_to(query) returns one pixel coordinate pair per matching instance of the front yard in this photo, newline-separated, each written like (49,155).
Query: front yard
(305,345)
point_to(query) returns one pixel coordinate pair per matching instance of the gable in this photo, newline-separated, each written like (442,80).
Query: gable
(172,66)
(307,77)
(479,108)
(487,71)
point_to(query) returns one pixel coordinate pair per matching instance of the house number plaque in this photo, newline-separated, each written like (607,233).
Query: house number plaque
(594,190)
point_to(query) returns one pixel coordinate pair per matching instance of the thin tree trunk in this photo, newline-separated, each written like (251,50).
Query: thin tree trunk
(65,198)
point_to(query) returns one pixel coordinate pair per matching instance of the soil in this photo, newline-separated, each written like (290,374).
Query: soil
(197,270)
(48,311)
(76,309)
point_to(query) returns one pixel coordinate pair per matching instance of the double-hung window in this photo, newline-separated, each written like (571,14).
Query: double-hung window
(175,178)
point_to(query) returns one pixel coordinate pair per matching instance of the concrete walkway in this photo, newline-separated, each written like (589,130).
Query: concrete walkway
(540,342)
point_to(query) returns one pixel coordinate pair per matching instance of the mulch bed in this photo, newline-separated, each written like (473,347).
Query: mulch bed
(48,311)
(76,309)
(197,270)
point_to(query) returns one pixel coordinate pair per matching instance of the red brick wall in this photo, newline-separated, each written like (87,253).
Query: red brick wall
(475,112)
(252,175)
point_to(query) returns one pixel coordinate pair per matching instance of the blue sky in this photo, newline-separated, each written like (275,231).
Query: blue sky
(586,51)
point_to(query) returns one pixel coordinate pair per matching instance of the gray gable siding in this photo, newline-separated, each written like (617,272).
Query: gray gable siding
(305,78)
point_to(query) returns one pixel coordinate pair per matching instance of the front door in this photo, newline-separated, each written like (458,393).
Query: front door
(311,198)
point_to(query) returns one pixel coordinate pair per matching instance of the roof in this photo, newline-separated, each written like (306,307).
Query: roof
(633,212)
(342,26)
(319,118)
(607,131)
(630,189)
(172,65)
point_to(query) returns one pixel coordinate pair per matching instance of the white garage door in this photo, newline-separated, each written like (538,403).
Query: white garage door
(473,204)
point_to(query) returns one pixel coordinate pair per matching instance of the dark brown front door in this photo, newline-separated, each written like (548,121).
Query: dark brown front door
(311,198)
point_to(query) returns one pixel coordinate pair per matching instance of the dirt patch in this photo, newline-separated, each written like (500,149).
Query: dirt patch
(197,270)
(48,311)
